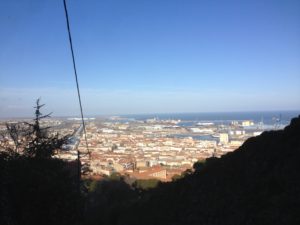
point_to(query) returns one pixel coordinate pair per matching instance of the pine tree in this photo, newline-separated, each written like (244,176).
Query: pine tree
(31,139)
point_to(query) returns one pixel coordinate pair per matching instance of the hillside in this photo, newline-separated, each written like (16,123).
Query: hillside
(259,183)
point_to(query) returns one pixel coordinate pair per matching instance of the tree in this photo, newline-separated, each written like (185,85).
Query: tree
(17,132)
(34,187)
(198,165)
(32,139)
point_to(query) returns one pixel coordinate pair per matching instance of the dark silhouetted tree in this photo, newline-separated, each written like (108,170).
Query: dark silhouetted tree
(34,187)
(33,140)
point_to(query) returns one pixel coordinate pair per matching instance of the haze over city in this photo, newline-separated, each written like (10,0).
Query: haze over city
(150,56)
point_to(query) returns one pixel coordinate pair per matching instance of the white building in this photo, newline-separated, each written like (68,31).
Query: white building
(224,138)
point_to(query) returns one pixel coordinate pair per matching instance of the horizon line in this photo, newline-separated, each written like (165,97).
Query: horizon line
(154,113)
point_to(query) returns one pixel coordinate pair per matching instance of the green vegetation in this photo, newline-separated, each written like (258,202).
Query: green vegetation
(146,184)
(35,188)
(37,191)
(106,200)
(256,184)
(199,165)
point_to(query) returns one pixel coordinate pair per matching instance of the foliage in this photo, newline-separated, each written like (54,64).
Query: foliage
(198,165)
(37,191)
(256,184)
(115,176)
(146,184)
(35,188)
(177,177)
(107,199)
(31,139)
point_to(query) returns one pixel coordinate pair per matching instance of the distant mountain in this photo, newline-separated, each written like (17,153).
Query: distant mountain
(259,183)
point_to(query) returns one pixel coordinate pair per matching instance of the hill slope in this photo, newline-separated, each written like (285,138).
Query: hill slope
(259,183)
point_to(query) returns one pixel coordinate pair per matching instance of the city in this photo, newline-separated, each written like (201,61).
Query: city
(147,149)
(149,112)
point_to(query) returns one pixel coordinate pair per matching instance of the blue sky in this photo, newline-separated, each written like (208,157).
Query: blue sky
(150,56)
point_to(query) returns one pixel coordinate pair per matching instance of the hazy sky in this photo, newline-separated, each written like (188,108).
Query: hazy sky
(148,56)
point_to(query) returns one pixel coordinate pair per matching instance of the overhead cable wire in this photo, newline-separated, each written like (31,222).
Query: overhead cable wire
(76,78)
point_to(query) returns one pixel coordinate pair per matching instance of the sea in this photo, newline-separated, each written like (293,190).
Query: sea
(262,120)
(282,118)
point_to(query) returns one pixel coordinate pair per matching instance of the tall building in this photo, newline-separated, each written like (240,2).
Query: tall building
(224,139)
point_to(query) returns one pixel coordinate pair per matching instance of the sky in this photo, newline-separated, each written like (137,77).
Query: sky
(150,56)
